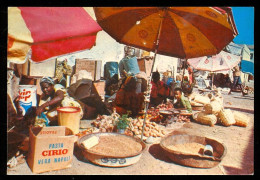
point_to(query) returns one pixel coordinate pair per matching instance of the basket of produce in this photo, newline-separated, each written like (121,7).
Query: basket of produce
(189,150)
(111,149)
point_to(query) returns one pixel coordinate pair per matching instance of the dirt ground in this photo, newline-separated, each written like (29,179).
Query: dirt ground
(239,142)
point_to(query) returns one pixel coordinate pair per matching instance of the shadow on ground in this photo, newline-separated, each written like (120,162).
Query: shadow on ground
(240,109)
(79,155)
(244,97)
(158,153)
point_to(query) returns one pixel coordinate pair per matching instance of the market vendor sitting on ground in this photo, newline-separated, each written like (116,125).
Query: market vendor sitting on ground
(159,92)
(53,96)
(127,100)
(181,100)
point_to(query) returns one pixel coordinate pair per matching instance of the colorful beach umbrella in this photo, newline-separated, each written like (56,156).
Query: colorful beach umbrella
(220,62)
(183,32)
(42,33)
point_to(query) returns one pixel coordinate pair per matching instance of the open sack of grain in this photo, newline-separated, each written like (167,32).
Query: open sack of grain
(214,107)
(205,118)
(241,119)
(226,117)
(201,99)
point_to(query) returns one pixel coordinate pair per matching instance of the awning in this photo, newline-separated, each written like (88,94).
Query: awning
(246,53)
(234,49)
(247,67)
(239,50)
(42,33)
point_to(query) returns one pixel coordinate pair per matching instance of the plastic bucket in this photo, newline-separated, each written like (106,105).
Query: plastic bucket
(69,117)
(111,68)
(27,97)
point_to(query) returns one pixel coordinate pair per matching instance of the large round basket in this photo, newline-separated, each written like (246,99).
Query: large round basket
(110,161)
(198,161)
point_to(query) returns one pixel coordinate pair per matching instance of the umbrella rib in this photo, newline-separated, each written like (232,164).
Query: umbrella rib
(173,22)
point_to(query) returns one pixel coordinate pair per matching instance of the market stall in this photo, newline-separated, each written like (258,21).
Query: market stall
(112,139)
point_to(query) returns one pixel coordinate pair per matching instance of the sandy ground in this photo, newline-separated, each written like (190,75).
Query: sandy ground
(239,142)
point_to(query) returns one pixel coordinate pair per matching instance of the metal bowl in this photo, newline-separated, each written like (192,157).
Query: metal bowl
(198,161)
(110,161)
(165,112)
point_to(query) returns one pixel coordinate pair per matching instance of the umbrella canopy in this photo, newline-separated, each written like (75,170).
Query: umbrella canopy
(183,32)
(220,62)
(41,33)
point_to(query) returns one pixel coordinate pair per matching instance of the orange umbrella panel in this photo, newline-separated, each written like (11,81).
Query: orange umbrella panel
(47,32)
(186,32)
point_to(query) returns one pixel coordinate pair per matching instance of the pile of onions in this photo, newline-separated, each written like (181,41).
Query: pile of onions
(104,123)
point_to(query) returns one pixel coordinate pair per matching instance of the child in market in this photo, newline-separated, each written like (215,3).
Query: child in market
(181,100)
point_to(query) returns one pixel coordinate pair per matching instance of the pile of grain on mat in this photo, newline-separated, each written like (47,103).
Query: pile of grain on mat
(187,148)
(116,146)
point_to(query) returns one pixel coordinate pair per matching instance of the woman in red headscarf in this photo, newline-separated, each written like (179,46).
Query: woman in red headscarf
(159,92)
(127,100)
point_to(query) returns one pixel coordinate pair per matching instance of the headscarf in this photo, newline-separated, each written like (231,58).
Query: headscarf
(47,80)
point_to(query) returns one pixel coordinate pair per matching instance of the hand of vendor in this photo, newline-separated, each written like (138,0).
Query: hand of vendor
(41,108)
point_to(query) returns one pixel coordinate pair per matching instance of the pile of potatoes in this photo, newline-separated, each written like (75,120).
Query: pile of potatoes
(150,129)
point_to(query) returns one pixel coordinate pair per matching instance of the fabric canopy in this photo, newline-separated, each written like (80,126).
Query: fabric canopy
(41,33)
(247,67)
(221,62)
(246,53)
(183,32)
(234,49)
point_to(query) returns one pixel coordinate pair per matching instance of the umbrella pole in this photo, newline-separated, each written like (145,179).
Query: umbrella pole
(184,64)
(150,79)
(212,81)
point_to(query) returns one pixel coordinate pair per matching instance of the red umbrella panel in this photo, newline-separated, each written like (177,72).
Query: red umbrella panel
(47,32)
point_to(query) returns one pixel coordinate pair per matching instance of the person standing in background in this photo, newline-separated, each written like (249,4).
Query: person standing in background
(190,71)
(236,80)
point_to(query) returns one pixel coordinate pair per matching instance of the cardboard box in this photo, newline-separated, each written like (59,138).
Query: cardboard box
(100,87)
(92,66)
(145,65)
(46,68)
(50,148)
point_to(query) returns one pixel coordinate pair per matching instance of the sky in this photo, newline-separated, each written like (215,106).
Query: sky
(244,20)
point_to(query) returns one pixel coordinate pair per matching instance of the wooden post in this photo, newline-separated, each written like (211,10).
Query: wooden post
(150,79)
